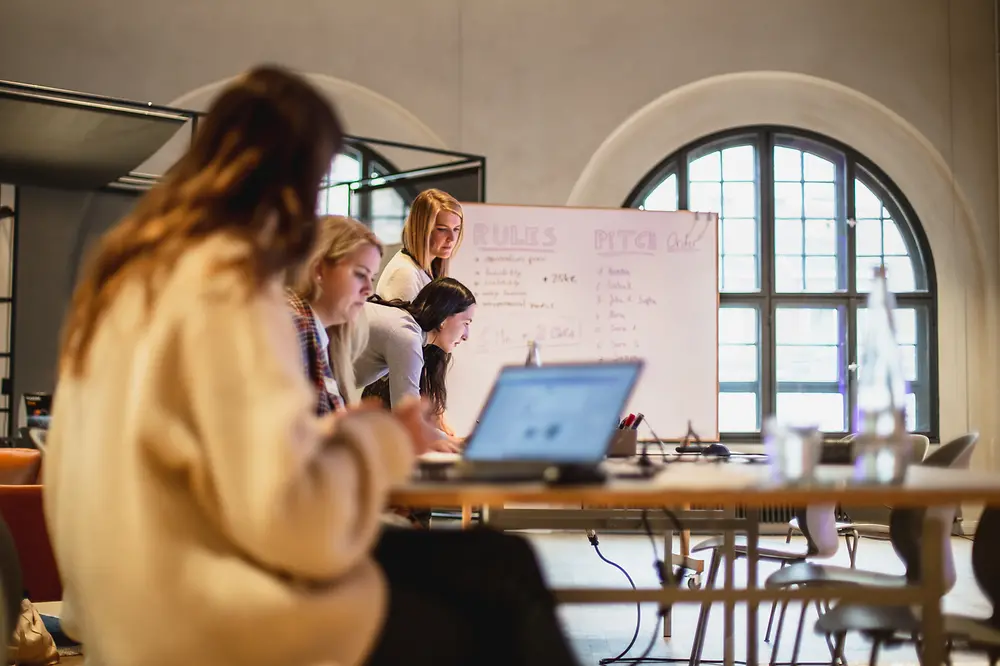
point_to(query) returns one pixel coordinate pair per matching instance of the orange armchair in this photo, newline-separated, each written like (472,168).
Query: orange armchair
(21,508)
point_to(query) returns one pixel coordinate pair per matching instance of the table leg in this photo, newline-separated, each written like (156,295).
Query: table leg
(932,584)
(753,531)
(668,550)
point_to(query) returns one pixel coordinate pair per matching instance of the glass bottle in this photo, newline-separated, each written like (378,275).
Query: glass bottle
(880,446)
(533,360)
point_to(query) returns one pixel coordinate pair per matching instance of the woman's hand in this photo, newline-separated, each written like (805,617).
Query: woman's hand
(412,415)
(443,426)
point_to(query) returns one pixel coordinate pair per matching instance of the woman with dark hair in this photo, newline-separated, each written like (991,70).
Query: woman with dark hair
(410,344)
(182,388)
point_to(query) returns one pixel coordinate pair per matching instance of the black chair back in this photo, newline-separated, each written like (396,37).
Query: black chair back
(986,555)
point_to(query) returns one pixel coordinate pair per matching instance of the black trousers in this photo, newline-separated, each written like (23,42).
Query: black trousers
(472,597)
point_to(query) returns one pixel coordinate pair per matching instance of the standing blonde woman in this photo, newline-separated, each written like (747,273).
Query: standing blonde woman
(431,236)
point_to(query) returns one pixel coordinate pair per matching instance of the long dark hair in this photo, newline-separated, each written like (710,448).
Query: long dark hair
(257,160)
(440,299)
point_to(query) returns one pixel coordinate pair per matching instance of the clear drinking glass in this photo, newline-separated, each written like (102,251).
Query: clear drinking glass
(792,451)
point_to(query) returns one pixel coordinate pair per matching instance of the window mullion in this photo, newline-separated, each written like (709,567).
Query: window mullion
(765,179)
(683,185)
(850,265)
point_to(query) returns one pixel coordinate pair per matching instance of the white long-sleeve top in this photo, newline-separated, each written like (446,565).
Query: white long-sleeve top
(401,278)
(199,511)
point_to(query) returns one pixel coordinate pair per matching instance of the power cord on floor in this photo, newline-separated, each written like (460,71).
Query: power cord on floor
(592,537)
(664,573)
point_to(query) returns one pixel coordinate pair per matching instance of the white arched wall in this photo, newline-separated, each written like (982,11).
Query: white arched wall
(967,363)
(363,111)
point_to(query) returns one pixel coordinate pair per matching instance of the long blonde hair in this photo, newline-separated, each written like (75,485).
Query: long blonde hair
(420,223)
(338,237)
(254,166)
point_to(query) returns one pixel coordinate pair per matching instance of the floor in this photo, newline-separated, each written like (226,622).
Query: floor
(599,632)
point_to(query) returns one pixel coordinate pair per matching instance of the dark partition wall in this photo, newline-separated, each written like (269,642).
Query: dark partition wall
(54,230)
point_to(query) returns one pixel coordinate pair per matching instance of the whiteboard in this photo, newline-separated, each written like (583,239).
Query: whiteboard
(593,284)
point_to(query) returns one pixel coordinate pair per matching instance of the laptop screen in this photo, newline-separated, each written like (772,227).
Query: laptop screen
(554,413)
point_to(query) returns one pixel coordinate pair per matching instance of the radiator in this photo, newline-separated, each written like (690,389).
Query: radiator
(772,515)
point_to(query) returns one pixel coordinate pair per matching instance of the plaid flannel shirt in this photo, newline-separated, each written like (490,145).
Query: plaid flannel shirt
(314,359)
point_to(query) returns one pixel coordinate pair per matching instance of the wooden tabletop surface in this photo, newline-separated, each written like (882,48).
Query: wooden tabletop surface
(723,484)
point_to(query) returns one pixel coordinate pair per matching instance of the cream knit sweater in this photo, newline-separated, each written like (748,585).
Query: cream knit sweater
(199,512)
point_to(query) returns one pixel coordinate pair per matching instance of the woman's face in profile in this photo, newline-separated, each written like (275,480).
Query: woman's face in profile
(455,329)
(347,284)
(444,235)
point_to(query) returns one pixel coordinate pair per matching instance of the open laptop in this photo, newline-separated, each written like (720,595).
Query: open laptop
(542,422)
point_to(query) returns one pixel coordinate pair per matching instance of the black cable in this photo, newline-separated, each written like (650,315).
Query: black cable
(592,537)
(652,639)
(668,458)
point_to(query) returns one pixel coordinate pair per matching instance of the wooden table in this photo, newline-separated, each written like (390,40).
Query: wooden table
(748,486)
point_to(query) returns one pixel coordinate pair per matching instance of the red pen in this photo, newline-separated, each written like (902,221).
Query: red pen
(629,420)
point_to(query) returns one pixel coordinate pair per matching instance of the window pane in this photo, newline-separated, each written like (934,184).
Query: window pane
(905,322)
(912,335)
(808,345)
(821,237)
(820,200)
(335,200)
(739,368)
(737,325)
(866,204)
(899,273)
(824,410)
(787,164)
(738,363)
(803,326)
(739,199)
(788,274)
(804,364)
(788,237)
(868,237)
(739,236)
(345,169)
(817,168)
(739,273)
(738,163)
(738,412)
(708,167)
(724,182)
(865,269)
(821,274)
(892,240)
(787,200)
(705,197)
(663,196)
(388,214)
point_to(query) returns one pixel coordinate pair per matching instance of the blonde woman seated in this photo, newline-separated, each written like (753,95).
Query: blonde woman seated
(432,235)
(231,525)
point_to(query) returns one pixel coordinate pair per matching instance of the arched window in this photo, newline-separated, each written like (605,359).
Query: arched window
(354,187)
(803,220)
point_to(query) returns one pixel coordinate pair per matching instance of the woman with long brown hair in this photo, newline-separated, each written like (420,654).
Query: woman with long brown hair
(200,511)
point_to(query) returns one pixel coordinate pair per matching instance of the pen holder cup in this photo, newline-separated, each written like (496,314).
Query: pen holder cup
(625,444)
